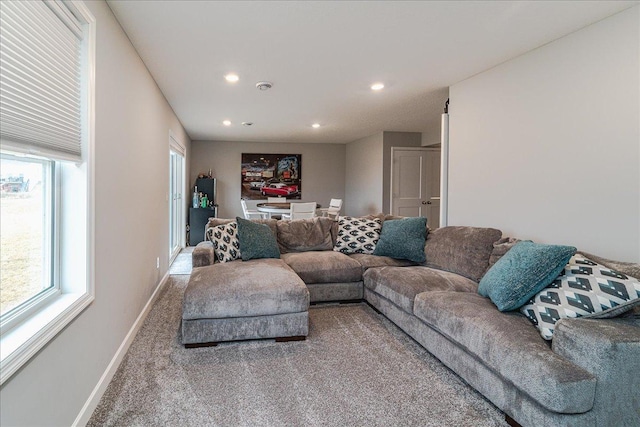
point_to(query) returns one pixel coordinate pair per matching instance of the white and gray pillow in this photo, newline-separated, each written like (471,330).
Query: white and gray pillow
(584,289)
(357,235)
(226,245)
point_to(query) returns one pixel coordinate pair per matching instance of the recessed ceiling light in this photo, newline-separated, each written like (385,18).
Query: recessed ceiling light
(232,78)
(315,125)
(227,122)
(377,86)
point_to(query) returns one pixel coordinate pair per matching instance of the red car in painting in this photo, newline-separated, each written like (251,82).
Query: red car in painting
(279,189)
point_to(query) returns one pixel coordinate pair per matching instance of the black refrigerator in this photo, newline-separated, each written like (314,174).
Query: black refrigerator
(198,217)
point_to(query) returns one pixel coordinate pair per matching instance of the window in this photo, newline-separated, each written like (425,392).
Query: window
(27,233)
(46,173)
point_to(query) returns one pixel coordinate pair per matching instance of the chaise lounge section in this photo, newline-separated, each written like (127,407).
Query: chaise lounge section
(587,376)
(248,300)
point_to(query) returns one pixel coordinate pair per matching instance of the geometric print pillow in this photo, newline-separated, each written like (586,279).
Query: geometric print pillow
(584,288)
(357,235)
(225,241)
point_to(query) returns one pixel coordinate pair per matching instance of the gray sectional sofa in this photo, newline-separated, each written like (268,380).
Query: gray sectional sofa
(588,376)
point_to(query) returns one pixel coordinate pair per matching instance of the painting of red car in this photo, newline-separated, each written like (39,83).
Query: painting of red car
(279,189)
(276,174)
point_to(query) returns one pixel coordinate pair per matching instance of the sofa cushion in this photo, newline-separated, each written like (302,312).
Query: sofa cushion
(370,261)
(324,267)
(300,235)
(523,272)
(226,245)
(400,285)
(259,287)
(357,235)
(256,240)
(584,288)
(461,250)
(403,239)
(508,345)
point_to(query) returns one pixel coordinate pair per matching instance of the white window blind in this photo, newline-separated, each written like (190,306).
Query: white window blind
(40,79)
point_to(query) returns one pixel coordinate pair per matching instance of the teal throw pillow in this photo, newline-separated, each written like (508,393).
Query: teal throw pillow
(403,239)
(522,272)
(256,240)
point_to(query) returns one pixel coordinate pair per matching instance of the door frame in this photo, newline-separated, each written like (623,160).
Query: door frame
(444,167)
(176,147)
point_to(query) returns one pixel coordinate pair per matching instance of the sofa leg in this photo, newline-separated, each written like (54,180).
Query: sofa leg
(296,338)
(511,421)
(201,344)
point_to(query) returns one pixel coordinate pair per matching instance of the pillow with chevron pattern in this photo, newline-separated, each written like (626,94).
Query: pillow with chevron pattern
(583,289)
(357,235)
(226,245)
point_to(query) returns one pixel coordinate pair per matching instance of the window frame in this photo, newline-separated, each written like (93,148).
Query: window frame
(74,243)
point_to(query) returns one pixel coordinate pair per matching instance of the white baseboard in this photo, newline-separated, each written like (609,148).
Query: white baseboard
(94,398)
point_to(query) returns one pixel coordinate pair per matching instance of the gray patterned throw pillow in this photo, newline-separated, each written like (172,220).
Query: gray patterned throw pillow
(357,235)
(584,289)
(225,241)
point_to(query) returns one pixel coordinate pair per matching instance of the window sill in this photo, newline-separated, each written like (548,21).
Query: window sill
(24,340)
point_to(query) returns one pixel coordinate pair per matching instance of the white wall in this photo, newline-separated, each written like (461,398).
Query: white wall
(547,146)
(363,183)
(133,121)
(368,177)
(323,169)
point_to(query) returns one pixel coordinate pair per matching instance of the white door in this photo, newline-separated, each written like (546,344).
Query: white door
(176,203)
(415,183)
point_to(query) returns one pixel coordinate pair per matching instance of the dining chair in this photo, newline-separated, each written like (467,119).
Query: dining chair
(333,211)
(276,200)
(251,214)
(301,211)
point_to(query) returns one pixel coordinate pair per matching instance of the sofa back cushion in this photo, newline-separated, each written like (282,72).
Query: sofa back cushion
(302,235)
(461,250)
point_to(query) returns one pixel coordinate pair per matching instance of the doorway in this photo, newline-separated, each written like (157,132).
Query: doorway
(176,200)
(415,183)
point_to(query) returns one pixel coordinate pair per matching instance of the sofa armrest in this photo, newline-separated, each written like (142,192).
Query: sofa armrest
(610,350)
(203,255)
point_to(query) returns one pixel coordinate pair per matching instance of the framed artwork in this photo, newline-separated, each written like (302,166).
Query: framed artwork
(271,175)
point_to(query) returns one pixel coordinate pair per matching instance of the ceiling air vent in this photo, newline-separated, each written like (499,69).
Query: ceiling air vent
(264,85)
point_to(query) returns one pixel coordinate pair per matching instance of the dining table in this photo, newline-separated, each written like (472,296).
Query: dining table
(275,208)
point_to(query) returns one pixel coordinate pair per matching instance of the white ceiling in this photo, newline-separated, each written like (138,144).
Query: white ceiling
(322,56)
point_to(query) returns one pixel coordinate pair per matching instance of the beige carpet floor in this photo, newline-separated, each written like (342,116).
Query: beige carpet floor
(355,369)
